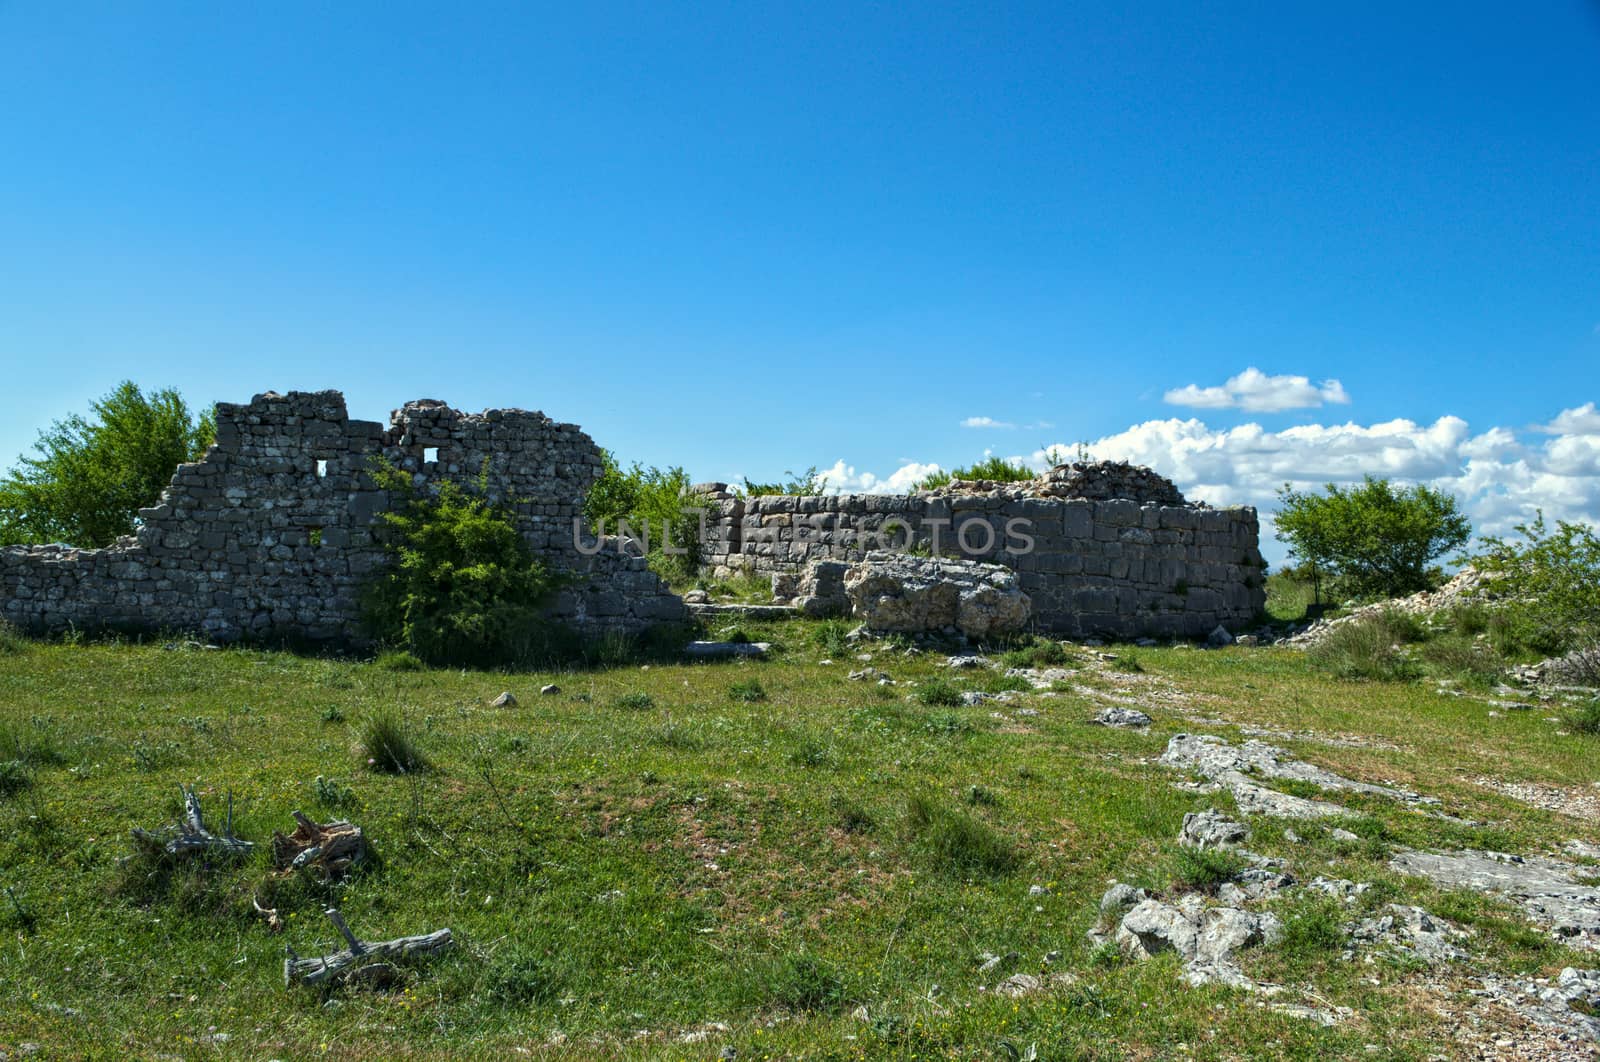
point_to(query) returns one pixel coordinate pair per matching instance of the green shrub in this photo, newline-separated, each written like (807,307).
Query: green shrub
(994,469)
(390,748)
(806,484)
(1312,930)
(1205,869)
(520,976)
(947,723)
(462,587)
(1549,581)
(1369,648)
(11,641)
(14,777)
(832,637)
(938,692)
(956,842)
(653,502)
(398,660)
(1038,653)
(748,691)
(852,816)
(1469,619)
(1003,683)
(332,794)
(1469,661)
(333,714)
(635,701)
(1586,719)
(1128,663)
(798,982)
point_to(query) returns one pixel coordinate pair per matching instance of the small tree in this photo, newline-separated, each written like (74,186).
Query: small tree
(652,500)
(93,474)
(1550,581)
(806,483)
(1378,540)
(463,587)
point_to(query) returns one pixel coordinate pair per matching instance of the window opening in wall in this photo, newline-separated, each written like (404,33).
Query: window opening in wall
(430,454)
(322,468)
(315,536)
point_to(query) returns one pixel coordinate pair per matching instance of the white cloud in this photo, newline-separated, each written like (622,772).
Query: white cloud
(1256,392)
(986,422)
(844,479)
(1501,478)
(1580,420)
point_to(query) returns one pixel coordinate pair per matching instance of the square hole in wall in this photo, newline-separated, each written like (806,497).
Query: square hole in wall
(322,468)
(430,455)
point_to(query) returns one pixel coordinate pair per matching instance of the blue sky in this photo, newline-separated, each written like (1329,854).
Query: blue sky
(746,238)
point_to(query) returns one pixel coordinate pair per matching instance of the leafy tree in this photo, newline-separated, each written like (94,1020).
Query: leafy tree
(1550,582)
(92,474)
(650,500)
(463,588)
(1377,539)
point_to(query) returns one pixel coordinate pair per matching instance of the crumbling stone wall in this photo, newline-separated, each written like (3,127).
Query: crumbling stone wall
(271,534)
(1130,559)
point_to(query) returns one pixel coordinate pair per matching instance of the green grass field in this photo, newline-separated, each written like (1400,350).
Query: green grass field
(760,855)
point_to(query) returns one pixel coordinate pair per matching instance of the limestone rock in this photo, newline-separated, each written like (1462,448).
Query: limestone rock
(1128,718)
(1212,829)
(821,589)
(901,592)
(505,700)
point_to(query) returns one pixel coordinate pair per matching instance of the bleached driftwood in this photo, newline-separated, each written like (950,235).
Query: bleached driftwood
(331,847)
(190,837)
(361,960)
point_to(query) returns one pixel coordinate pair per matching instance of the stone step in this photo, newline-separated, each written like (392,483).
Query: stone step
(769,612)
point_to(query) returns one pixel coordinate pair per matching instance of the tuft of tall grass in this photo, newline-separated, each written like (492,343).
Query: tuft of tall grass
(11,640)
(938,692)
(1205,869)
(1370,647)
(797,981)
(390,747)
(748,691)
(956,842)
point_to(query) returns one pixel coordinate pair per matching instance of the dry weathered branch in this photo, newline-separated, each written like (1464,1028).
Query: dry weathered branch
(332,847)
(361,960)
(190,836)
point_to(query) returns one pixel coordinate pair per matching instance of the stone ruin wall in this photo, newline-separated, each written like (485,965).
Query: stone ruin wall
(271,535)
(1117,551)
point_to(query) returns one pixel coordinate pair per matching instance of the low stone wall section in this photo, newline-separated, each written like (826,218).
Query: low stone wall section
(1094,567)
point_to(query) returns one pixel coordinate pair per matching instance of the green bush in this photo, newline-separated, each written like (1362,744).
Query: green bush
(806,484)
(14,777)
(994,469)
(463,587)
(653,502)
(832,637)
(938,692)
(797,982)
(11,641)
(390,748)
(1037,653)
(1312,930)
(636,701)
(956,842)
(1205,869)
(1586,720)
(520,976)
(1549,582)
(398,660)
(749,691)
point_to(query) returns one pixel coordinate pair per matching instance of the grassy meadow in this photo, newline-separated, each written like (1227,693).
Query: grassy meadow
(672,860)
